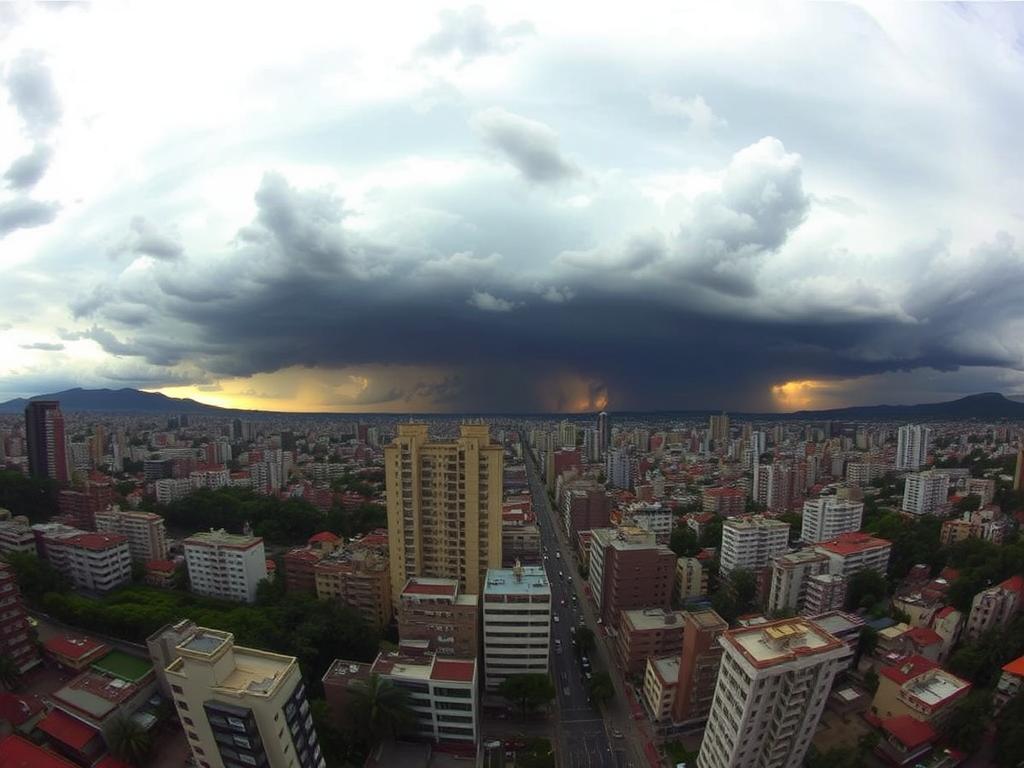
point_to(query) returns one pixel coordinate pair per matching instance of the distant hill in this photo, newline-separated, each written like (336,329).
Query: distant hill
(985,406)
(116,400)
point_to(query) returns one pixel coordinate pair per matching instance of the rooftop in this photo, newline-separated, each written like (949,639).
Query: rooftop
(907,669)
(652,618)
(753,522)
(909,731)
(529,579)
(778,642)
(853,543)
(425,668)
(206,641)
(95,694)
(97,541)
(221,538)
(838,622)
(707,619)
(123,666)
(428,587)
(62,727)
(74,647)
(667,668)
(16,752)
(1015,667)
(936,687)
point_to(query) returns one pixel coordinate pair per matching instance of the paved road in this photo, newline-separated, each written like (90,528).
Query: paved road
(583,734)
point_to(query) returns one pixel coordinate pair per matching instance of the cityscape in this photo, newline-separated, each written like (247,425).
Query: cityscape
(516,384)
(595,590)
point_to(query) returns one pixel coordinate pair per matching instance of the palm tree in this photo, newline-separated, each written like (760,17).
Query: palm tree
(382,708)
(9,672)
(129,741)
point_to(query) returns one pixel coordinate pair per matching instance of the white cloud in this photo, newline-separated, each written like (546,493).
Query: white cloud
(487,302)
(701,120)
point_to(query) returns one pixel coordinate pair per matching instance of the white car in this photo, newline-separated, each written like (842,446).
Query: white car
(556,618)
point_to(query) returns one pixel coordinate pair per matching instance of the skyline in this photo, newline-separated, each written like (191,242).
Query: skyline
(516,209)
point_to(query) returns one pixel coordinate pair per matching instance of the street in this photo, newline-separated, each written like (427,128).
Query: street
(584,736)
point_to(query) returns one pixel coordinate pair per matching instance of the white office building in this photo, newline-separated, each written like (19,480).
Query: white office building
(826,517)
(517,623)
(926,493)
(912,447)
(169,489)
(225,565)
(771,690)
(750,542)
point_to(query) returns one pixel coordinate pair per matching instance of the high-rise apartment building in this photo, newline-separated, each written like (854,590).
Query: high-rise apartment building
(852,552)
(16,637)
(826,517)
(912,447)
(444,506)
(94,562)
(358,576)
(47,444)
(145,531)
(619,468)
(604,432)
(698,665)
(790,579)
(750,542)
(925,493)
(718,430)
(824,592)
(517,623)
(241,706)
(225,565)
(770,694)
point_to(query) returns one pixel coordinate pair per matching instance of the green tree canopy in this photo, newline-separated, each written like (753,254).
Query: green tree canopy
(129,741)
(601,688)
(866,589)
(528,692)
(381,709)
(584,640)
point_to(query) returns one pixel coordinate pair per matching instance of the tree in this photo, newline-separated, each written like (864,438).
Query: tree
(684,541)
(1009,751)
(8,672)
(969,503)
(528,691)
(33,497)
(867,587)
(711,536)
(963,729)
(601,688)
(35,577)
(381,708)
(129,741)
(538,754)
(585,640)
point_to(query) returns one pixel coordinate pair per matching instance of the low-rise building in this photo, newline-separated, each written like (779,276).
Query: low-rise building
(358,575)
(790,576)
(995,607)
(437,612)
(825,592)
(661,678)
(724,502)
(698,666)
(920,688)
(93,562)
(16,536)
(74,652)
(691,579)
(842,626)
(1011,683)
(645,633)
(442,691)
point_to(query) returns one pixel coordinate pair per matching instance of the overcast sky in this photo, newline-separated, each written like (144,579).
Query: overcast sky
(523,207)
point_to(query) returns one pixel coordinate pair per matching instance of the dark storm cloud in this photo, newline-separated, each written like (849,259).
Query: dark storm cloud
(300,289)
(32,92)
(469,34)
(26,171)
(531,146)
(25,213)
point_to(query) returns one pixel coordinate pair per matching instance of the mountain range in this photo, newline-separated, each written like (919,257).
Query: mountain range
(987,405)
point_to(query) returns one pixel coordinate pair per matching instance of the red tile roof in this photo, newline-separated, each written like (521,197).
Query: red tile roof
(1014,584)
(323,536)
(853,543)
(111,762)
(923,636)
(1015,667)
(16,752)
(454,670)
(17,709)
(73,647)
(163,566)
(909,732)
(945,612)
(908,669)
(67,730)
(97,541)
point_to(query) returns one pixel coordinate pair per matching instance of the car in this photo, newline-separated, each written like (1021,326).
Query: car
(583,622)
(617,734)
(570,579)
(556,618)
(563,601)
(561,575)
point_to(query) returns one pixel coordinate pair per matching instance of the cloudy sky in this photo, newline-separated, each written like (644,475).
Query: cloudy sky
(523,207)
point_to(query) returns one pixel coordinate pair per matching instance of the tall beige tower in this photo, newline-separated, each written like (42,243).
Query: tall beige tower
(444,506)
